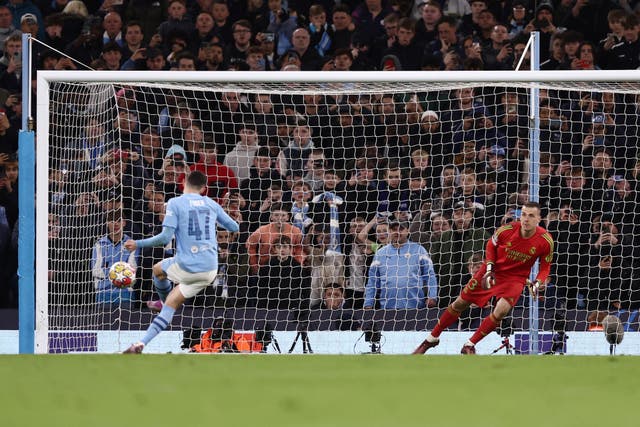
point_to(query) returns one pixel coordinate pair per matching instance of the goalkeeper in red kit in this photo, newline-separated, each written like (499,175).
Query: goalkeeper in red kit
(510,253)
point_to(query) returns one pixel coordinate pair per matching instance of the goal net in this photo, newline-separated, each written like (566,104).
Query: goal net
(322,176)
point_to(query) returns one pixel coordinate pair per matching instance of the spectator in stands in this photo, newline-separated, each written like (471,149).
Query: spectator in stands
(185,62)
(357,256)
(261,177)
(177,22)
(571,236)
(586,57)
(283,283)
(401,274)
(29,24)
(327,264)
(87,47)
(174,168)
(576,191)
(255,59)
(427,25)
(360,195)
(447,42)
(393,193)
(625,55)
(310,60)
(108,250)
(419,191)
(609,270)
(211,57)
(332,297)
(20,8)
(452,250)
(222,25)
(133,38)
(342,27)
(220,178)
(240,159)
(237,49)
(112,56)
(519,18)
(498,54)
(204,32)
(112,24)
(557,54)
(368,17)
(152,218)
(293,159)
(8,135)
(318,29)
(151,152)
(301,194)
(406,48)
(6,26)
(470,21)
(11,64)
(260,242)
(615,20)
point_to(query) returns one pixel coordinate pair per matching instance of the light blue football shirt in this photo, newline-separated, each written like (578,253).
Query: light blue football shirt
(193,218)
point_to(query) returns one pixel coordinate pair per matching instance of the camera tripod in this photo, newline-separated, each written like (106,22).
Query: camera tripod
(306,345)
(506,344)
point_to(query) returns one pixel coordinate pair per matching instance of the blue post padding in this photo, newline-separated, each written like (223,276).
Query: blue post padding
(534,183)
(26,242)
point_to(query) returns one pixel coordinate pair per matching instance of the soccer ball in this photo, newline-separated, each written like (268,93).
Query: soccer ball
(122,275)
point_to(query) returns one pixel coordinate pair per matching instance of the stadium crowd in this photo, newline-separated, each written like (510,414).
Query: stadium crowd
(320,183)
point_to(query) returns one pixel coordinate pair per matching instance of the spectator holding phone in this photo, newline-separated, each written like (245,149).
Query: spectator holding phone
(586,57)
(11,64)
(498,55)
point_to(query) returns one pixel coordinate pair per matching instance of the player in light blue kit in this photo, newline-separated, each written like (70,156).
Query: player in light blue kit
(192,218)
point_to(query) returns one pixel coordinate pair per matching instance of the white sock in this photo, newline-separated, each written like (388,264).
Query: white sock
(431,338)
(469,344)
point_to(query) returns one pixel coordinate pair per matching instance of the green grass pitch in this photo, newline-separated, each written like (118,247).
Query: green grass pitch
(368,390)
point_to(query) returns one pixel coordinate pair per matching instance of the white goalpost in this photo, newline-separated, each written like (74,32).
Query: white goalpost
(319,164)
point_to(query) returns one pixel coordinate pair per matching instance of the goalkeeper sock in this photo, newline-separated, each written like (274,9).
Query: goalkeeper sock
(163,287)
(448,318)
(159,324)
(486,327)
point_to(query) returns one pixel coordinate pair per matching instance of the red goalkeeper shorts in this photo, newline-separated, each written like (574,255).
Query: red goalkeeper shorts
(510,290)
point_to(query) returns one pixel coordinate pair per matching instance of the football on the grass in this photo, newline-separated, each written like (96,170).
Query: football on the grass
(122,275)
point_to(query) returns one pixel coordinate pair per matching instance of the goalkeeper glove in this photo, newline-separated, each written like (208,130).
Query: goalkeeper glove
(489,279)
(535,287)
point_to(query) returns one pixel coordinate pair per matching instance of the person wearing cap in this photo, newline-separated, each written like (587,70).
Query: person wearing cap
(29,24)
(518,18)
(174,170)
(25,7)
(401,275)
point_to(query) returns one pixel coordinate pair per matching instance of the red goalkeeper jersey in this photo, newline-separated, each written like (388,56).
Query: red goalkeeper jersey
(513,255)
